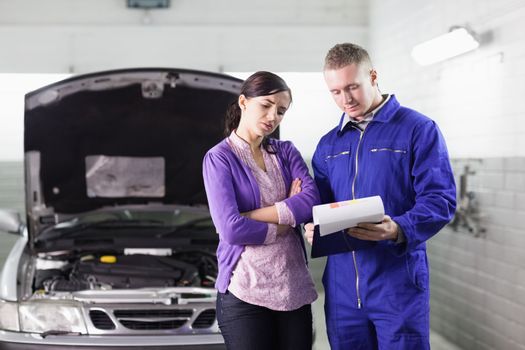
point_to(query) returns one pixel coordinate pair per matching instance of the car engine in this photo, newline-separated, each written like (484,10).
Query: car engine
(69,272)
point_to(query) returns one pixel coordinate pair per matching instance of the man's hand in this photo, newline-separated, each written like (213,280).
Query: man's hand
(386,230)
(309,232)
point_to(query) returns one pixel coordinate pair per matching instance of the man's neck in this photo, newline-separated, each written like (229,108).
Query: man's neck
(362,121)
(378,99)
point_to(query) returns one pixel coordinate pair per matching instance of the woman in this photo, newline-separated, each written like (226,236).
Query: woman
(259,191)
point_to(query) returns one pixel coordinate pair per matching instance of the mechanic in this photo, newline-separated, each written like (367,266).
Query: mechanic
(377,297)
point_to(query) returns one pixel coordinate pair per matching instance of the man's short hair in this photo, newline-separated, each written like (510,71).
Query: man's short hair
(342,55)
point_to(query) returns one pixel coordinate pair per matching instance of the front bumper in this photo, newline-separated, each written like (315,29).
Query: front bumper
(28,341)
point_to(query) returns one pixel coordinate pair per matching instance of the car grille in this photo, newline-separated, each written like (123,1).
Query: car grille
(156,325)
(205,319)
(153,313)
(153,319)
(101,320)
(106,320)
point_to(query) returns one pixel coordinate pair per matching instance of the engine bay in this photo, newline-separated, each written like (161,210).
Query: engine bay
(70,271)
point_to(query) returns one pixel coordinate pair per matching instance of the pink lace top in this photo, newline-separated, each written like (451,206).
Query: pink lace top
(274,274)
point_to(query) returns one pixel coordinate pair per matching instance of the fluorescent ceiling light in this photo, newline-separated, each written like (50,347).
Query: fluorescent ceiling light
(459,40)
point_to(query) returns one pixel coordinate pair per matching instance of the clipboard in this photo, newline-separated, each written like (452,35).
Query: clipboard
(336,243)
(331,221)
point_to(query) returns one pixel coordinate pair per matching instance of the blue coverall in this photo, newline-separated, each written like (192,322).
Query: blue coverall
(377,297)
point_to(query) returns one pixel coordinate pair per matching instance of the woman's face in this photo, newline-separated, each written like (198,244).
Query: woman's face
(261,115)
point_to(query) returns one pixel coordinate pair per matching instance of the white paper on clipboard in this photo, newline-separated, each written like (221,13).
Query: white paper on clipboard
(337,216)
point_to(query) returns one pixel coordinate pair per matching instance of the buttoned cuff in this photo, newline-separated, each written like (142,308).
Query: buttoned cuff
(400,235)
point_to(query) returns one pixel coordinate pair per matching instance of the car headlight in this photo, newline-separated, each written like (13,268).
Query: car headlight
(9,316)
(40,317)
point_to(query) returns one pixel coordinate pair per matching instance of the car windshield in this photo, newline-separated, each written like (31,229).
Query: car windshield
(163,222)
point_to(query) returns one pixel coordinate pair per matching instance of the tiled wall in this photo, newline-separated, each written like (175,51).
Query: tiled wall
(12,186)
(233,36)
(11,197)
(478,283)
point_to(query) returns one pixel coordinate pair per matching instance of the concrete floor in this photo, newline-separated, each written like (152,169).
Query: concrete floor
(316,266)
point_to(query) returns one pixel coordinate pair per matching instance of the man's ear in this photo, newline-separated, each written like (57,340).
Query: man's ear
(373,76)
(242,102)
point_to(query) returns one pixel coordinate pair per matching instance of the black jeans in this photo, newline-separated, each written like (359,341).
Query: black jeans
(250,327)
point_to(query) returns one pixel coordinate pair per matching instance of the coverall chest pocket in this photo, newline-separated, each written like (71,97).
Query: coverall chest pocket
(390,157)
(338,162)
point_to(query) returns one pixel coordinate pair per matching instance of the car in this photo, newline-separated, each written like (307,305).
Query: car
(117,249)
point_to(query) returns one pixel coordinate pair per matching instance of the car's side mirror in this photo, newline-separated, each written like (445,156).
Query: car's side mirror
(10,221)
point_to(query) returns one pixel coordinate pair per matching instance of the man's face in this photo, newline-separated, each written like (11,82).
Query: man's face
(354,89)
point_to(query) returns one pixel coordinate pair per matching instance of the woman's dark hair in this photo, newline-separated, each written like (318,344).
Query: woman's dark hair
(260,83)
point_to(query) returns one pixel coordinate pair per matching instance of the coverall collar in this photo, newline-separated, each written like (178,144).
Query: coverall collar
(383,115)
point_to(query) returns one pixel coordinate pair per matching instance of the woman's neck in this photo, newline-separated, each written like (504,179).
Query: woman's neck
(253,140)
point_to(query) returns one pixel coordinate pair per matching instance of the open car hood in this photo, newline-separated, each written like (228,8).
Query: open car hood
(123,137)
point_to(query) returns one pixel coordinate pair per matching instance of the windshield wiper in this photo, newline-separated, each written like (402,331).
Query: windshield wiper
(56,233)
(186,225)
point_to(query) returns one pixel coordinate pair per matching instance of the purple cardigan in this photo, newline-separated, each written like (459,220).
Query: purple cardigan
(232,189)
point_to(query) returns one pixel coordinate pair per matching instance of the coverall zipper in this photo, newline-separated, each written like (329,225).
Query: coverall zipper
(361,132)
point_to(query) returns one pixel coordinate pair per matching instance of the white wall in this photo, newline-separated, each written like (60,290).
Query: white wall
(13,87)
(474,97)
(312,114)
(78,36)
(185,12)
